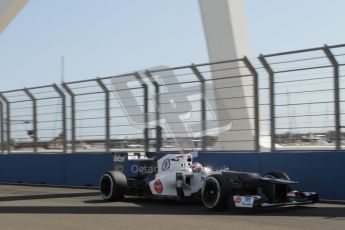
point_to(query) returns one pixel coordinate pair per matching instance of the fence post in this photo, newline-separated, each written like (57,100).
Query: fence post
(8,121)
(2,126)
(335,65)
(272,100)
(146,111)
(73,127)
(63,107)
(107,113)
(157,111)
(256,102)
(203,106)
(34,117)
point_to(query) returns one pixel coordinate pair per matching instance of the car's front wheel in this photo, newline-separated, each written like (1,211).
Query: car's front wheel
(276,193)
(214,194)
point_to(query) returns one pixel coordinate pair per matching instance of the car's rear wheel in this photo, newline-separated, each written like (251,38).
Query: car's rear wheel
(113,186)
(214,194)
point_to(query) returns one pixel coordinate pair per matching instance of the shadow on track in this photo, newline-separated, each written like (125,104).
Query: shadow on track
(168,207)
(47,196)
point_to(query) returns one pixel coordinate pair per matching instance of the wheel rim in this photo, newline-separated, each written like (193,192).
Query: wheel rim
(106,186)
(211,192)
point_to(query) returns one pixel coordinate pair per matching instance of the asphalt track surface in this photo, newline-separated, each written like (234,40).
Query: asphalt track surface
(47,208)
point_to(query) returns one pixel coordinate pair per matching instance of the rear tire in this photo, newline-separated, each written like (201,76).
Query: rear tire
(215,193)
(113,186)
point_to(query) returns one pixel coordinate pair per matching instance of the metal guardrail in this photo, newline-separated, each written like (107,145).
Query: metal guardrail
(139,110)
(304,66)
(29,99)
(200,77)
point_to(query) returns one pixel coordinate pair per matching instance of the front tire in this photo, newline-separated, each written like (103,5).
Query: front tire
(276,193)
(281,175)
(215,193)
(113,186)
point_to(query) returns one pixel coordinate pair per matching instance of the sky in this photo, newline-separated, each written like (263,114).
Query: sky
(109,37)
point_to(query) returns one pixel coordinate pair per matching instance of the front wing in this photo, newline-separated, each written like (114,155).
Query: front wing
(294,198)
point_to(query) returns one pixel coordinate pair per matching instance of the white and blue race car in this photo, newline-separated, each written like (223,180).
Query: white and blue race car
(176,176)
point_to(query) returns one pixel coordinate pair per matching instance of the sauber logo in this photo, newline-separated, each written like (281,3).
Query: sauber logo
(158,186)
(119,158)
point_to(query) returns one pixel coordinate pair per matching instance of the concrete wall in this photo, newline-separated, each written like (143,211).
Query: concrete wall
(323,171)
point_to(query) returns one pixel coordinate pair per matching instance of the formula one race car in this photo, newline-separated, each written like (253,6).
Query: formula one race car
(176,176)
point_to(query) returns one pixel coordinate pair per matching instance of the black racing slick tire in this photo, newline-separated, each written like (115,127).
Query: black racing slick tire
(113,186)
(215,193)
(276,193)
(281,175)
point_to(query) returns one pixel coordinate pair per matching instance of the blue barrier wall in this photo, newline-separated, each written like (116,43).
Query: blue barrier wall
(322,171)
(81,169)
